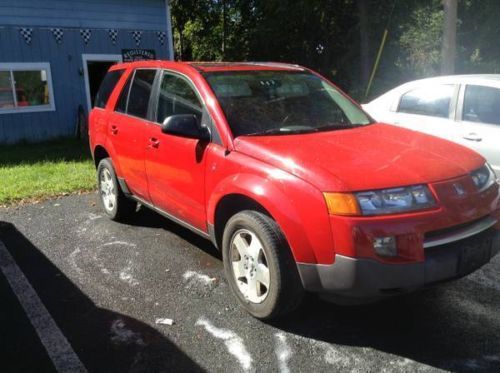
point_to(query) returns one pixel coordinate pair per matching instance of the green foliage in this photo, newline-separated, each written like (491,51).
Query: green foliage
(420,42)
(325,35)
(37,171)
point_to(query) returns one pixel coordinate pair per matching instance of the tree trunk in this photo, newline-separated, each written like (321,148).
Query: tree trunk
(364,41)
(449,44)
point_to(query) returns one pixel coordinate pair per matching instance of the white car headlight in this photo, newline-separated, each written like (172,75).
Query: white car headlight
(483,177)
(395,200)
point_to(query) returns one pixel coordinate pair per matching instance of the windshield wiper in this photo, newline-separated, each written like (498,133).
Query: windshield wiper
(282,131)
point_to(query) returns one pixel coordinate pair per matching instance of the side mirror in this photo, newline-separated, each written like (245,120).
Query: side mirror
(185,125)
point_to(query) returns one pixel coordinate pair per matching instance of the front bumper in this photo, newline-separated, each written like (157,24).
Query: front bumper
(368,279)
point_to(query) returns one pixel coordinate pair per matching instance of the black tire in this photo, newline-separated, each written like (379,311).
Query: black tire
(123,207)
(285,291)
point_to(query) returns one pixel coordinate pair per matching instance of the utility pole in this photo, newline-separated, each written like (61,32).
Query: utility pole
(449,44)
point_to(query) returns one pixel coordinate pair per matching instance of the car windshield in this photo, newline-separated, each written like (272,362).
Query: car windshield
(282,102)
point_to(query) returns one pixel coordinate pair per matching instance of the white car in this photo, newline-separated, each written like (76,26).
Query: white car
(460,108)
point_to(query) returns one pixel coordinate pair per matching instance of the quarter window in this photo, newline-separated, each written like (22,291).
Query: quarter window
(481,104)
(431,100)
(25,87)
(177,97)
(121,106)
(140,93)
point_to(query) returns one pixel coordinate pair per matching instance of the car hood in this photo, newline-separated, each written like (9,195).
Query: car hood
(369,157)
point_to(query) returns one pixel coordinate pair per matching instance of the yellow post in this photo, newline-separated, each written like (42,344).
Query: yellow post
(377,60)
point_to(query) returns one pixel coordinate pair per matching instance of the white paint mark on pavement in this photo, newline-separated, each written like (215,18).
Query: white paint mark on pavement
(72,260)
(233,342)
(199,277)
(283,352)
(123,243)
(57,346)
(126,275)
(120,334)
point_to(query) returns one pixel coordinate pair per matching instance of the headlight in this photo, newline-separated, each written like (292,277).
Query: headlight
(380,202)
(397,200)
(483,177)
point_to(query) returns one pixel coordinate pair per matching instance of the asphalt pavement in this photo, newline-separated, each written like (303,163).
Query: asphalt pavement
(106,285)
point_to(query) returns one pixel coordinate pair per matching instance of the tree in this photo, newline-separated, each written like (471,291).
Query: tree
(449,43)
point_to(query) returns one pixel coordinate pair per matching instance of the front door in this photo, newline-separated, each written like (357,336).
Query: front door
(175,165)
(430,109)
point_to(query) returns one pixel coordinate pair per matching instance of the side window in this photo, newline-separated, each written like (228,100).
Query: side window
(177,97)
(107,86)
(121,105)
(481,104)
(431,100)
(140,92)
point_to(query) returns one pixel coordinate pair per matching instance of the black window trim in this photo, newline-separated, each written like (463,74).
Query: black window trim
(452,108)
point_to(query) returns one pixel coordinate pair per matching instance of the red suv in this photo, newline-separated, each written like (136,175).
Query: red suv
(292,181)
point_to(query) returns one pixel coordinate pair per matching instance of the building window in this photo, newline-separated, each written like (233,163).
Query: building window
(25,87)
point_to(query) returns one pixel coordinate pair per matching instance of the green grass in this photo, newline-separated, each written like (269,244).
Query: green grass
(30,172)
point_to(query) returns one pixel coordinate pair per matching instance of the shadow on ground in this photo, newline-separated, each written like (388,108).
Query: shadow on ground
(104,340)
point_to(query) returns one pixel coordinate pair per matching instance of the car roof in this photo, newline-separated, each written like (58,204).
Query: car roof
(459,78)
(211,66)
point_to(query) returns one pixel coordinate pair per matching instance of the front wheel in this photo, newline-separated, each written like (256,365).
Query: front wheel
(116,205)
(259,265)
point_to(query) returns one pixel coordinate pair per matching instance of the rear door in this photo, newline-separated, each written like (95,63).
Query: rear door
(128,130)
(480,115)
(175,165)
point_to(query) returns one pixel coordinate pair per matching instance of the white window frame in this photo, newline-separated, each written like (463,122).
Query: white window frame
(29,66)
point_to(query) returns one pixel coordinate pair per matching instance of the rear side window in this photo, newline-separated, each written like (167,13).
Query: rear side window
(482,104)
(432,100)
(107,86)
(140,92)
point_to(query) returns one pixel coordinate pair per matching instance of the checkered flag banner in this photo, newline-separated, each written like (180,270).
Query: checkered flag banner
(113,35)
(58,34)
(86,35)
(27,34)
(137,35)
(162,35)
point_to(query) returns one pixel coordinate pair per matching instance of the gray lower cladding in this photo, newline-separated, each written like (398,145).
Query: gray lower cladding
(369,279)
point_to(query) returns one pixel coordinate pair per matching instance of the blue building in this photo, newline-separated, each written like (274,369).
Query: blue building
(54,54)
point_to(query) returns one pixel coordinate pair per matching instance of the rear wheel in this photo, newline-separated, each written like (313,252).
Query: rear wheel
(115,204)
(259,265)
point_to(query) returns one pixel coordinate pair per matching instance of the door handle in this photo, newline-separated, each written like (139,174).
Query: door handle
(114,129)
(154,142)
(472,137)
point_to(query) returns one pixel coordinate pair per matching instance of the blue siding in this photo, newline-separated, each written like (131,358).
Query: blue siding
(125,14)
(66,58)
